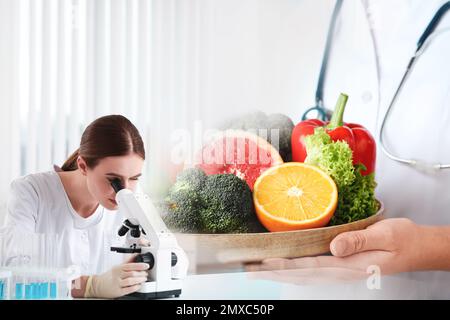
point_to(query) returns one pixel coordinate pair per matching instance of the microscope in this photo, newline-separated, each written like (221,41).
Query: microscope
(167,260)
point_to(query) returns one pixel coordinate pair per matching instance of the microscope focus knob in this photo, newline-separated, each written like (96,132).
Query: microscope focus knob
(174,259)
(146,258)
(150,260)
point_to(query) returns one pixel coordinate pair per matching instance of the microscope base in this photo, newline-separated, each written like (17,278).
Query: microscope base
(151,295)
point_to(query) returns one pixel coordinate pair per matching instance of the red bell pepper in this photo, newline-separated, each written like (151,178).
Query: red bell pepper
(358,138)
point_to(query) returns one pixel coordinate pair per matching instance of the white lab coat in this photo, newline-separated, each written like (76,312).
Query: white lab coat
(38,204)
(373,43)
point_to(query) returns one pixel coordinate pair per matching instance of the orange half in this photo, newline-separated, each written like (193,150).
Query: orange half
(294,196)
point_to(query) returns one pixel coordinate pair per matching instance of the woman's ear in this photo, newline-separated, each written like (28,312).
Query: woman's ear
(82,165)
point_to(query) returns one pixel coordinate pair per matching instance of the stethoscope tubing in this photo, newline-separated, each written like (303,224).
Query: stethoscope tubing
(421,45)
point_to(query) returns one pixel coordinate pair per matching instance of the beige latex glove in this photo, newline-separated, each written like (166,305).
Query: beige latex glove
(119,281)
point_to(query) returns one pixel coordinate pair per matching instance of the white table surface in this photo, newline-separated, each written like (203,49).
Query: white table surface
(243,285)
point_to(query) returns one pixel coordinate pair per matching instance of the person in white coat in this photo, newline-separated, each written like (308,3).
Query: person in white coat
(78,203)
(372,45)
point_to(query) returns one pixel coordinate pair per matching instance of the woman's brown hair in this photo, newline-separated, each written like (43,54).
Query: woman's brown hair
(108,136)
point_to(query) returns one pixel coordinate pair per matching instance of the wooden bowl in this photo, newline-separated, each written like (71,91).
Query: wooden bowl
(252,247)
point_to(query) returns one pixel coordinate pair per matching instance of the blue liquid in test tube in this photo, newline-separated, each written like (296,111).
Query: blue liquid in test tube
(53,292)
(19,291)
(44,290)
(2,286)
(36,291)
(28,291)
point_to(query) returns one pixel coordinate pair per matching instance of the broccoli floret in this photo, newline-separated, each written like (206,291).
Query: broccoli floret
(220,203)
(192,178)
(275,128)
(227,205)
(183,203)
(182,212)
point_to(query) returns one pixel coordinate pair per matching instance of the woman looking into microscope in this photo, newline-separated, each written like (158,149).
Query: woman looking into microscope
(78,203)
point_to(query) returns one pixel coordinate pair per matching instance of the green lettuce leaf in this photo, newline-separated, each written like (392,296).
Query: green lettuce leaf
(356,192)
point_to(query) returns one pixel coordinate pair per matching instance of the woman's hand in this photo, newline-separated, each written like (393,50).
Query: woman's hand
(390,246)
(119,281)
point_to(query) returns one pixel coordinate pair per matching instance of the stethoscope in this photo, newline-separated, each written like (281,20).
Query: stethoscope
(325,114)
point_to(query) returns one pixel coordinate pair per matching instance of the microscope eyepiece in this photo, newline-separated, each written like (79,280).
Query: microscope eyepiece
(117,185)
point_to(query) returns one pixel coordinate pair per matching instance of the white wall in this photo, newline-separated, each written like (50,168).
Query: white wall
(267,55)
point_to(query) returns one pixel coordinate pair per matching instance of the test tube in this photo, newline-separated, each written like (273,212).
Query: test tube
(28,251)
(52,240)
(25,260)
(2,287)
(41,265)
(5,277)
(43,286)
(34,266)
(18,288)
(53,289)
